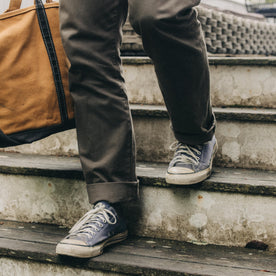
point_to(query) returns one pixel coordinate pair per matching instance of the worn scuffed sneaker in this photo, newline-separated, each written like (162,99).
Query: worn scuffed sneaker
(191,164)
(97,229)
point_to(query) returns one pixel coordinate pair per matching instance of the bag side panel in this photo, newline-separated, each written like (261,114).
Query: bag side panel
(28,98)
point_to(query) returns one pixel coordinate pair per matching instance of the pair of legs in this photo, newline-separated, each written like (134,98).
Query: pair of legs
(91,31)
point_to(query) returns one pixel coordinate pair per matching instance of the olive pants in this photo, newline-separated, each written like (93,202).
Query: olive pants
(172,37)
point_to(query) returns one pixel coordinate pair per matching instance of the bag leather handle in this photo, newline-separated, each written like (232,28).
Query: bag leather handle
(16,4)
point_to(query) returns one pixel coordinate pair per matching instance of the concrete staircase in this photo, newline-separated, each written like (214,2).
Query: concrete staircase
(235,207)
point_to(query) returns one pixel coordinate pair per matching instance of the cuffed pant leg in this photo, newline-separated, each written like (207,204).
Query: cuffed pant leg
(91,34)
(172,37)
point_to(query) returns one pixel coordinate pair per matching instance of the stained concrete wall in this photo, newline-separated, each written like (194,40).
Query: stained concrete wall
(241,144)
(12,267)
(234,85)
(173,213)
(206,217)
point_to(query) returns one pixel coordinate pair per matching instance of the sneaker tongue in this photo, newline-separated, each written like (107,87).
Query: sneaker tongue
(107,206)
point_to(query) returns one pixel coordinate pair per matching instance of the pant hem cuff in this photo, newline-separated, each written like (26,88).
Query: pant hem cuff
(113,192)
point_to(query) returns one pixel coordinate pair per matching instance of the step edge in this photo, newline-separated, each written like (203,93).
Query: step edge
(222,114)
(265,187)
(109,262)
(213,60)
(110,265)
(94,264)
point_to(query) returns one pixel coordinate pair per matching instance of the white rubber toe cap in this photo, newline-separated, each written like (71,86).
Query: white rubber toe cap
(179,170)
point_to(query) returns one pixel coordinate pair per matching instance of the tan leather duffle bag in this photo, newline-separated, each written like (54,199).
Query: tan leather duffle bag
(34,94)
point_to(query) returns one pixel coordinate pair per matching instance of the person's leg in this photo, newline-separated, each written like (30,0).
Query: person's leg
(91,34)
(172,37)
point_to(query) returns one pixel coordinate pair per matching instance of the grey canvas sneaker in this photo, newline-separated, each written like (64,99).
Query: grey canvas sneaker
(97,229)
(191,164)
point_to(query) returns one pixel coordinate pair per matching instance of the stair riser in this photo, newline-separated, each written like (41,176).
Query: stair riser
(42,199)
(241,144)
(235,85)
(200,216)
(248,86)
(13,267)
(172,213)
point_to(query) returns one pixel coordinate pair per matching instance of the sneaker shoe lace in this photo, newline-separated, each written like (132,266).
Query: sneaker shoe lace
(186,154)
(92,221)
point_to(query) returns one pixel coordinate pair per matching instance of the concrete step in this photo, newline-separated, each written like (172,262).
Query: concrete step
(235,81)
(245,137)
(29,249)
(232,208)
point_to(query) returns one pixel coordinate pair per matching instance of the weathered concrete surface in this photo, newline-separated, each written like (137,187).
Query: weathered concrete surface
(13,267)
(142,85)
(252,145)
(251,86)
(229,180)
(205,217)
(175,212)
(64,143)
(241,144)
(237,84)
(42,199)
(135,256)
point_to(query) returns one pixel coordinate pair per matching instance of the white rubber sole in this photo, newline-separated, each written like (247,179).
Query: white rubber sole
(191,178)
(80,251)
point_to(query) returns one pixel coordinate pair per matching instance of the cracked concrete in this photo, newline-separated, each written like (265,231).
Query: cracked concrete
(237,85)
(241,144)
(173,213)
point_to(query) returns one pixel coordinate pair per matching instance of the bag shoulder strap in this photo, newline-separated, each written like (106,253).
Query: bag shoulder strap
(50,47)
(16,4)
